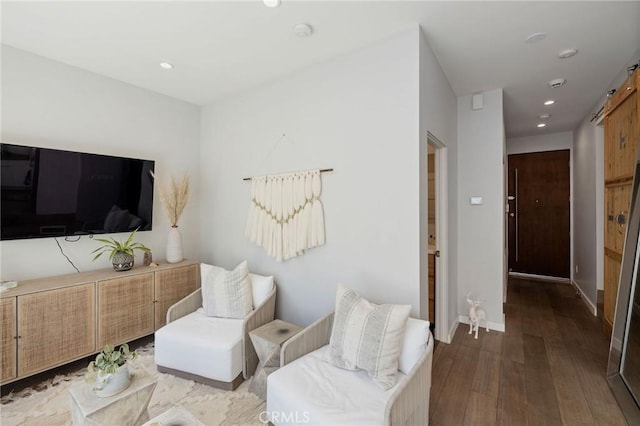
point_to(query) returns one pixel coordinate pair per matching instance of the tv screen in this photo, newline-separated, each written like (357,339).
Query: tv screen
(50,193)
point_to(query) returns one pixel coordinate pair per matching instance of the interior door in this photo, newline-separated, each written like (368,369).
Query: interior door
(539,191)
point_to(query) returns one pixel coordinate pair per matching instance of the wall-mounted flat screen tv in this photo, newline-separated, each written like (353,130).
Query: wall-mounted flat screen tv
(52,193)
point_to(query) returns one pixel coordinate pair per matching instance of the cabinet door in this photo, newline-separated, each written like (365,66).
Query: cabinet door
(8,369)
(125,309)
(55,326)
(171,286)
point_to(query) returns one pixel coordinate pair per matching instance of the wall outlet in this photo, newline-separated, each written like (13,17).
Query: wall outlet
(577,269)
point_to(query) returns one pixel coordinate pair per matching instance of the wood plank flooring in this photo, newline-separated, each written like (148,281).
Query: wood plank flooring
(548,368)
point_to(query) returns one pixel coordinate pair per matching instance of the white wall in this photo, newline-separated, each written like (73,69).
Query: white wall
(588,175)
(540,143)
(357,113)
(481,144)
(49,104)
(438,115)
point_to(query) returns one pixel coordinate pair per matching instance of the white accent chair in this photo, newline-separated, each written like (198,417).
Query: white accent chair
(309,390)
(211,350)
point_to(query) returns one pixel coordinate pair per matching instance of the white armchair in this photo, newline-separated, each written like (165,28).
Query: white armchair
(211,350)
(308,390)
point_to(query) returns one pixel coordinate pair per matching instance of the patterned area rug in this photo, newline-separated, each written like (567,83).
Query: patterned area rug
(49,403)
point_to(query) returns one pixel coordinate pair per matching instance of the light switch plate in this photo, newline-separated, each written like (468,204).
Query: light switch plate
(477,101)
(476,201)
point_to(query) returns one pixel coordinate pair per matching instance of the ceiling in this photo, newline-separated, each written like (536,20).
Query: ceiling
(222,48)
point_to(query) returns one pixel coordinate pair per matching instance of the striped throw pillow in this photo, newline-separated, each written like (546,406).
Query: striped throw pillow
(367,336)
(227,294)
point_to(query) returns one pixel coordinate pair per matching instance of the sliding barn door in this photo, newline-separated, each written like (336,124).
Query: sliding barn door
(539,213)
(621,130)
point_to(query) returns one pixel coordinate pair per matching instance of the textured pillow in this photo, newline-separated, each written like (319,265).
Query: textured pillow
(226,294)
(416,338)
(206,270)
(367,336)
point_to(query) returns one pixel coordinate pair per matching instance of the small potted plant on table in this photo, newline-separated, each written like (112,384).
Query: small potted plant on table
(120,254)
(110,371)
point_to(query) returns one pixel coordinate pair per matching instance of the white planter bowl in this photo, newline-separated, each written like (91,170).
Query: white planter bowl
(112,384)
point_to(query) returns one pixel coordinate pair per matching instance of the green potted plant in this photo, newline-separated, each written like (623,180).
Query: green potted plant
(110,371)
(120,254)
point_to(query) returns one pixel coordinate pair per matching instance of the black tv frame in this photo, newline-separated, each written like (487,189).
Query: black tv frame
(48,192)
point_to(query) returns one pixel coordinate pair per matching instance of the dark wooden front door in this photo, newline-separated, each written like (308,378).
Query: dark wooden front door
(539,213)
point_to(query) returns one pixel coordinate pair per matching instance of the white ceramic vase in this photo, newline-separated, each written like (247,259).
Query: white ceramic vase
(174,245)
(112,384)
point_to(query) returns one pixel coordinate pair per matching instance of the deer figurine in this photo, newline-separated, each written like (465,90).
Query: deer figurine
(476,315)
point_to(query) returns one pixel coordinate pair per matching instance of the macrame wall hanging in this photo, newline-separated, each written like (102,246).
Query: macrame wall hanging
(285,214)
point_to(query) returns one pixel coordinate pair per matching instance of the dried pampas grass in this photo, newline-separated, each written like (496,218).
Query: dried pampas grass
(174,198)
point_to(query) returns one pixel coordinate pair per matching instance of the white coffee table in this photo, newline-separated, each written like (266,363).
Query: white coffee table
(128,408)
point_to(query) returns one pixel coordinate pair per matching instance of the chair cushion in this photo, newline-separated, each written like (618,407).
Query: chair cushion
(199,344)
(367,336)
(318,393)
(227,294)
(416,339)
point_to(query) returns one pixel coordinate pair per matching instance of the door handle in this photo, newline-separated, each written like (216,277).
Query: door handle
(517,212)
(511,198)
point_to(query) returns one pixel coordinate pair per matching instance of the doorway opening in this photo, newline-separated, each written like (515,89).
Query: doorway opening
(539,215)
(434,236)
(431,220)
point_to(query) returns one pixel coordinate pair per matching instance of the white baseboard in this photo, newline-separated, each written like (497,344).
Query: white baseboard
(585,299)
(452,331)
(539,277)
(497,326)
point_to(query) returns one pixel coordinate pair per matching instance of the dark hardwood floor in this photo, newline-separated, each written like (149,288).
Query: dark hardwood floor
(548,368)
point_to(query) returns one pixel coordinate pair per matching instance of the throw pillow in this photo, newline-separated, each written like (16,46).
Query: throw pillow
(367,336)
(416,339)
(227,294)
(261,286)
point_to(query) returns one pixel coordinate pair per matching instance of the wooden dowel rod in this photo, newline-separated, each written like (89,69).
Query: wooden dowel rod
(321,171)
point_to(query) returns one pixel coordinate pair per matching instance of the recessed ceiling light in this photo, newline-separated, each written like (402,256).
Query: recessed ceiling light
(166,65)
(544,116)
(302,30)
(535,37)
(541,125)
(567,53)
(271,3)
(549,102)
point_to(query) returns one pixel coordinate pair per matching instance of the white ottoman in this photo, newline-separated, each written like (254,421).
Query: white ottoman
(184,346)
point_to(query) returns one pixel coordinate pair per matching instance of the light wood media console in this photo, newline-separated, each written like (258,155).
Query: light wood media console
(48,322)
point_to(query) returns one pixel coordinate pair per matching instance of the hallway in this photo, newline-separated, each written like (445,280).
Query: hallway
(547,368)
